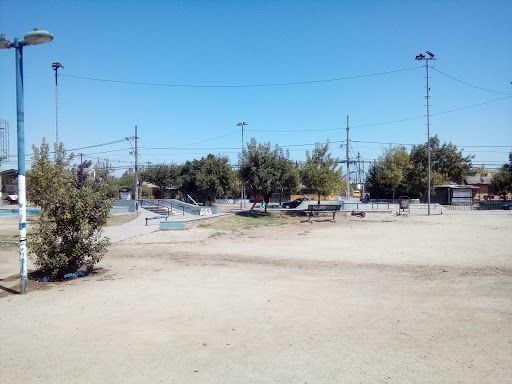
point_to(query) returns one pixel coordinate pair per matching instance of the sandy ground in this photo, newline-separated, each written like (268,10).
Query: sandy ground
(382,299)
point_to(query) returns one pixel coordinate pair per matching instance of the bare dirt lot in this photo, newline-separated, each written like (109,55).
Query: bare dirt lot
(382,299)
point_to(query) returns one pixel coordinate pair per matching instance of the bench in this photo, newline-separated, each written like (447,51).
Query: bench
(322,208)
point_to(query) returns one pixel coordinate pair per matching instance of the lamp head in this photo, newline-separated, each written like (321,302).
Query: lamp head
(421,56)
(57,65)
(37,37)
(5,43)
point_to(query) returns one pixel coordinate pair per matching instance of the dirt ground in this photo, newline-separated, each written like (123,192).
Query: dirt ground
(383,299)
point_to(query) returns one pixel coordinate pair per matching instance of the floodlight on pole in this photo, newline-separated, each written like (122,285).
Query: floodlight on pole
(31,38)
(421,56)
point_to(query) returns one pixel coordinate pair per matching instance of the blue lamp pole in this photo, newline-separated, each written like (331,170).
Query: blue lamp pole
(31,38)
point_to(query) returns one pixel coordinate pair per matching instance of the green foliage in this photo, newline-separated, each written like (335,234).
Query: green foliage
(215,178)
(389,173)
(267,170)
(68,230)
(320,174)
(163,176)
(502,180)
(448,165)
(206,179)
(397,171)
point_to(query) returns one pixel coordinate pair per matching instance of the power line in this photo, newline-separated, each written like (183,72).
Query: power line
(381,123)
(241,85)
(471,85)
(471,106)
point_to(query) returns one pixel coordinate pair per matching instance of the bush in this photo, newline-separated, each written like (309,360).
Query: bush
(68,229)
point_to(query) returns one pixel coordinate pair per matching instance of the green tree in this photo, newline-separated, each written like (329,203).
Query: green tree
(289,176)
(215,178)
(320,173)
(68,228)
(163,176)
(448,165)
(264,168)
(502,181)
(389,173)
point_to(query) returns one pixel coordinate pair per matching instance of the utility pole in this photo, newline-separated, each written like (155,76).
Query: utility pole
(81,154)
(359,167)
(136,167)
(364,182)
(242,187)
(348,167)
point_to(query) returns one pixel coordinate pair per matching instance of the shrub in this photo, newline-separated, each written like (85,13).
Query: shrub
(74,209)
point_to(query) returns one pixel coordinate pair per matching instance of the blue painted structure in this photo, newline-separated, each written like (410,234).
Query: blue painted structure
(172,225)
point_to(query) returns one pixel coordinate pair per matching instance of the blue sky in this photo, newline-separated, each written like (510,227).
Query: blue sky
(242,48)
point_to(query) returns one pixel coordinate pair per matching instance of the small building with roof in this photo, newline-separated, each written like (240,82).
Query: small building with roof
(455,194)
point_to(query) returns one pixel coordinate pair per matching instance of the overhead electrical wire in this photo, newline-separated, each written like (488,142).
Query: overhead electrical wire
(241,85)
(471,85)
(381,123)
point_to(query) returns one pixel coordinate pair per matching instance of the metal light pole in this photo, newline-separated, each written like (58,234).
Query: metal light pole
(242,192)
(31,38)
(56,67)
(421,56)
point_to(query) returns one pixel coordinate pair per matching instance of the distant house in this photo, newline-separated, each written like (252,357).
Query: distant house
(11,199)
(484,184)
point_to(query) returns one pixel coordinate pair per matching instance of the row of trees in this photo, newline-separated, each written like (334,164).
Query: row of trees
(398,172)
(75,202)
(263,169)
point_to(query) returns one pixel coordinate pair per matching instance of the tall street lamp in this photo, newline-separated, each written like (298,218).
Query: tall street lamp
(242,192)
(421,56)
(56,67)
(31,38)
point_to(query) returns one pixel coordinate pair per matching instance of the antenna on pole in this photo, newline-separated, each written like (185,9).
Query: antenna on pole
(56,66)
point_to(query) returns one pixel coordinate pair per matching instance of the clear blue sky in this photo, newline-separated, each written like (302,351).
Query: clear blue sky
(227,43)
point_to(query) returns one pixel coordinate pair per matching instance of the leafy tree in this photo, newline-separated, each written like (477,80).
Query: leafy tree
(448,165)
(162,175)
(502,180)
(127,179)
(188,174)
(105,180)
(289,179)
(264,168)
(68,229)
(215,178)
(81,173)
(389,172)
(321,174)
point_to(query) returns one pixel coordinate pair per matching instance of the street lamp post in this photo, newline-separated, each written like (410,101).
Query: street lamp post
(31,38)
(242,189)
(421,56)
